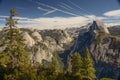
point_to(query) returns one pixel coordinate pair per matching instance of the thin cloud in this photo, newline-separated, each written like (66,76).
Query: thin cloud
(60,22)
(2,19)
(54,9)
(54,23)
(66,12)
(71,9)
(64,7)
(40,8)
(113,13)
(20,18)
(68,6)
(1,16)
(87,12)
(112,17)
(49,12)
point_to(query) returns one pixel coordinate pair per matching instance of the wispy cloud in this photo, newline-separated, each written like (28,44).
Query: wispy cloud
(77,6)
(113,13)
(67,22)
(51,23)
(69,7)
(112,17)
(20,18)
(53,8)
(66,12)
(40,8)
(59,22)
(56,22)
(1,16)
(64,7)
(69,10)
(49,12)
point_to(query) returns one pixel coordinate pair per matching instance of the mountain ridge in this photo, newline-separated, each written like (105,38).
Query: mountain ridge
(102,45)
(43,43)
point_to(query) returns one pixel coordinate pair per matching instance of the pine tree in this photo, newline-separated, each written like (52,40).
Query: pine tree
(76,62)
(69,65)
(14,58)
(77,65)
(6,41)
(13,42)
(56,64)
(89,70)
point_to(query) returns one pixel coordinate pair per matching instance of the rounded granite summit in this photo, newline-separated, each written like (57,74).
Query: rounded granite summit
(99,26)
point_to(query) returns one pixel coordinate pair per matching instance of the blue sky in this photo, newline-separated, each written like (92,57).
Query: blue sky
(38,12)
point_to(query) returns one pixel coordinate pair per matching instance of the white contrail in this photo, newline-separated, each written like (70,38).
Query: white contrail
(76,10)
(64,7)
(42,9)
(3,16)
(56,9)
(80,7)
(87,12)
(66,12)
(45,5)
(49,12)
(67,6)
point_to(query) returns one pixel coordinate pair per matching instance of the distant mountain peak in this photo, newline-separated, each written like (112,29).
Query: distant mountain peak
(99,26)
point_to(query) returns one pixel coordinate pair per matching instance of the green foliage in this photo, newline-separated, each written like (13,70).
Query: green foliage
(26,72)
(15,65)
(96,41)
(12,41)
(82,68)
(14,59)
(77,64)
(4,59)
(116,44)
(45,73)
(56,63)
(107,79)
(89,71)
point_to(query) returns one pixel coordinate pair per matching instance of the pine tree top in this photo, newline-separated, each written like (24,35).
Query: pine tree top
(13,12)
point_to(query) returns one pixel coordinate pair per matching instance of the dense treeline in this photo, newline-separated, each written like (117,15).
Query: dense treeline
(15,64)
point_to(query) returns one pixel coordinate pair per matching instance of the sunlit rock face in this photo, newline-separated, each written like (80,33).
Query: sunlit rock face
(98,25)
(29,41)
(104,49)
(103,44)
(37,36)
(43,43)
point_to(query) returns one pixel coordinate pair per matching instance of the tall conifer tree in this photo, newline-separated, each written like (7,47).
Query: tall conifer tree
(89,70)
(14,58)
(76,63)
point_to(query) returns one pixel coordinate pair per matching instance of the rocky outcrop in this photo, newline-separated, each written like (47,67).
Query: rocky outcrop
(37,36)
(98,25)
(115,30)
(106,56)
(43,43)
(104,49)
(29,41)
(103,46)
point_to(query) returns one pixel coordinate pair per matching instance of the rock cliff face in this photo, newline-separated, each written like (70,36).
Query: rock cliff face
(43,43)
(103,45)
(104,48)
(29,41)
(100,26)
